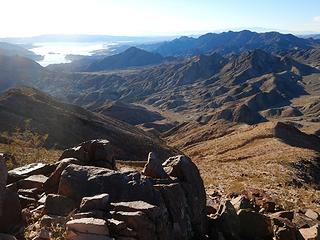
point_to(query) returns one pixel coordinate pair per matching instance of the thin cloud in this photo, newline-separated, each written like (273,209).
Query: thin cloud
(316,19)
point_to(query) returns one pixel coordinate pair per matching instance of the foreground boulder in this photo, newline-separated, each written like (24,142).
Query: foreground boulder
(29,170)
(146,220)
(58,205)
(84,181)
(151,208)
(98,202)
(3,182)
(52,183)
(11,218)
(95,153)
(154,168)
(254,225)
(182,168)
(312,233)
(88,226)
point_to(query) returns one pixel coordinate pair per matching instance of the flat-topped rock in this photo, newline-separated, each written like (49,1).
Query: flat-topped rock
(116,226)
(88,225)
(140,223)
(34,181)
(312,233)
(29,170)
(92,214)
(135,206)
(77,182)
(97,202)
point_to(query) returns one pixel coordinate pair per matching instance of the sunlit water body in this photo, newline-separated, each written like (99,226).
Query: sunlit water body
(56,52)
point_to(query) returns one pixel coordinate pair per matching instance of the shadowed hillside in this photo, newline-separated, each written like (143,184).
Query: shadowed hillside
(68,125)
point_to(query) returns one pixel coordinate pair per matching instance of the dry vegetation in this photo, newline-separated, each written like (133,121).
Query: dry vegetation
(25,146)
(252,157)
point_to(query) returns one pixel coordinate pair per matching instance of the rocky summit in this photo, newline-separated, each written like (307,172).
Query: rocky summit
(84,195)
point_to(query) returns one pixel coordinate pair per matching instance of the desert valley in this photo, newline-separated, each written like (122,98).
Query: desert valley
(214,136)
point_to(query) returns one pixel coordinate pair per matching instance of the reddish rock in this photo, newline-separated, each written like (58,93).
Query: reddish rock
(312,233)
(312,214)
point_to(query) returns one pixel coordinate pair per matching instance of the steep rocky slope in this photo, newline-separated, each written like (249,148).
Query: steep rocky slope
(68,124)
(233,88)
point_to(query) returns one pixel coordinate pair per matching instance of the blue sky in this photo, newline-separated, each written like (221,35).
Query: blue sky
(154,17)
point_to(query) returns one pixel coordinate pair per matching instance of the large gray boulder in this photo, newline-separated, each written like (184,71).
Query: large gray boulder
(98,153)
(148,221)
(182,168)
(77,182)
(178,200)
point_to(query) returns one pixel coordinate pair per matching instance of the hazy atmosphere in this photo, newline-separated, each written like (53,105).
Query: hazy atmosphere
(151,17)
(160,120)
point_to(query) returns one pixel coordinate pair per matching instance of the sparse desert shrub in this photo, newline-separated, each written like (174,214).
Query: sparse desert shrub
(24,146)
(58,232)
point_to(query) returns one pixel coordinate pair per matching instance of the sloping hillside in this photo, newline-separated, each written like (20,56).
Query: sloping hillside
(15,70)
(274,156)
(9,49)
(68,125)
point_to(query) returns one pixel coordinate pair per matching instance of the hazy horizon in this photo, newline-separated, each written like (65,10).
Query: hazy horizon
(155,18)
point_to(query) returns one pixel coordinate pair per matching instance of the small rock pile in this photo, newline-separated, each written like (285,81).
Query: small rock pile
(252,215)
(84,196)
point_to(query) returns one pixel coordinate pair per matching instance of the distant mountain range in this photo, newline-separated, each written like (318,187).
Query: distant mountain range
(234,42)
(132,57)
(229,82)
(183,47)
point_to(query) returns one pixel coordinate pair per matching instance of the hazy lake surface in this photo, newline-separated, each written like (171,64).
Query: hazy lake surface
(55,52)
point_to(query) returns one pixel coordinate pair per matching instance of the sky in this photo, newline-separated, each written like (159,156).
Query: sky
(21,18)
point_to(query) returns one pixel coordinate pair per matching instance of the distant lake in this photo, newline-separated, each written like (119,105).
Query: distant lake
(55,52)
